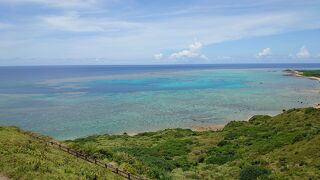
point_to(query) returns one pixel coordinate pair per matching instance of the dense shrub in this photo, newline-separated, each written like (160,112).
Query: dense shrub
(231,136)
(299,137)
(253,172)
(221,155)
(219,159)
(173,148)
(104,153)
(310,110)
(222,143)
(179,153)
(182,163)
(258,118)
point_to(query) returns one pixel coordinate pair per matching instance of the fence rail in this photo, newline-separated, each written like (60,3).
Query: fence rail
(87,157)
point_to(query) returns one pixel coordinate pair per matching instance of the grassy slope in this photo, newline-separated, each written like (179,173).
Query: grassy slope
(314,73)
(22,157)
(286,146)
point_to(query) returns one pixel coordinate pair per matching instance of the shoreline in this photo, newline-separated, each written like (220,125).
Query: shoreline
(196,128)
(296,73)
(218,127)
(207,127)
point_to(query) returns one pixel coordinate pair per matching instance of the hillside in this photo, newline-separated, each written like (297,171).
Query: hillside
(286,146)
(22,157)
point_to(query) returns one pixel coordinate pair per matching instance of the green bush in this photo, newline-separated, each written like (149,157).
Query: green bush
(219,159)
(182,163)
(173,148)
(299,137)
(310,110)
(231,136)
(179,153)
(258,118)
(222,143)
(253,172)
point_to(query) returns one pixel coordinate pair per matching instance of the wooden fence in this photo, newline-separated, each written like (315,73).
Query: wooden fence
(86,157)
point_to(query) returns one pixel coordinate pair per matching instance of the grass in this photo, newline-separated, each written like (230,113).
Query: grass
(310,73)
(22,157)
(286,146)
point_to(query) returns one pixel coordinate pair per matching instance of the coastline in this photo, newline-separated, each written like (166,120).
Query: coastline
(196,128)
(207,127)
(300,74)
(177,144)
(296,73)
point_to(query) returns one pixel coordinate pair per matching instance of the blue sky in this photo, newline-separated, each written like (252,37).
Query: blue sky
(52,32)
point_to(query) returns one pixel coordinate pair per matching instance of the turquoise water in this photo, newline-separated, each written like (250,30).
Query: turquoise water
(78,104)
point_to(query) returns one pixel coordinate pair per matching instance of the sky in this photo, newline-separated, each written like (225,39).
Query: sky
(71,32)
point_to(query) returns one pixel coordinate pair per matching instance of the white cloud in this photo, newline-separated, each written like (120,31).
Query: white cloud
(33,38)
(303,53)
(158,56)
(74,23)
(191,52)
(264,53)
(195,46)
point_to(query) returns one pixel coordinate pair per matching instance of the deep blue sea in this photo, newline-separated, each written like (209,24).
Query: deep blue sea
(75,101)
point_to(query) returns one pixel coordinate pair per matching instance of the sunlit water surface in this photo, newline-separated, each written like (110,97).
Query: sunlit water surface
(74,101)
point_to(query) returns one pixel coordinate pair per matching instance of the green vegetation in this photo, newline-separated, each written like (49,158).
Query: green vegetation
(286,146)
(310,73)
(22,157)
(253,172)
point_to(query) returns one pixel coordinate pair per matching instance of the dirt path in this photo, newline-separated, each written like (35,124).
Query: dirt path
(3,177)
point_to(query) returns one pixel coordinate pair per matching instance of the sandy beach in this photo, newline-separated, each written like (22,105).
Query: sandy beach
(207,127)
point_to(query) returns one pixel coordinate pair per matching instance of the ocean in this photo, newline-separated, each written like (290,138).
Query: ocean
(68,102)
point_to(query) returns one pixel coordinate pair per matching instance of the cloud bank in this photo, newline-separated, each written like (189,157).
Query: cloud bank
(133,31)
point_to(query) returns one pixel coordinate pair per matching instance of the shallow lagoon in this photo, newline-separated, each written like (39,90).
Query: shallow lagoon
(69,102)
